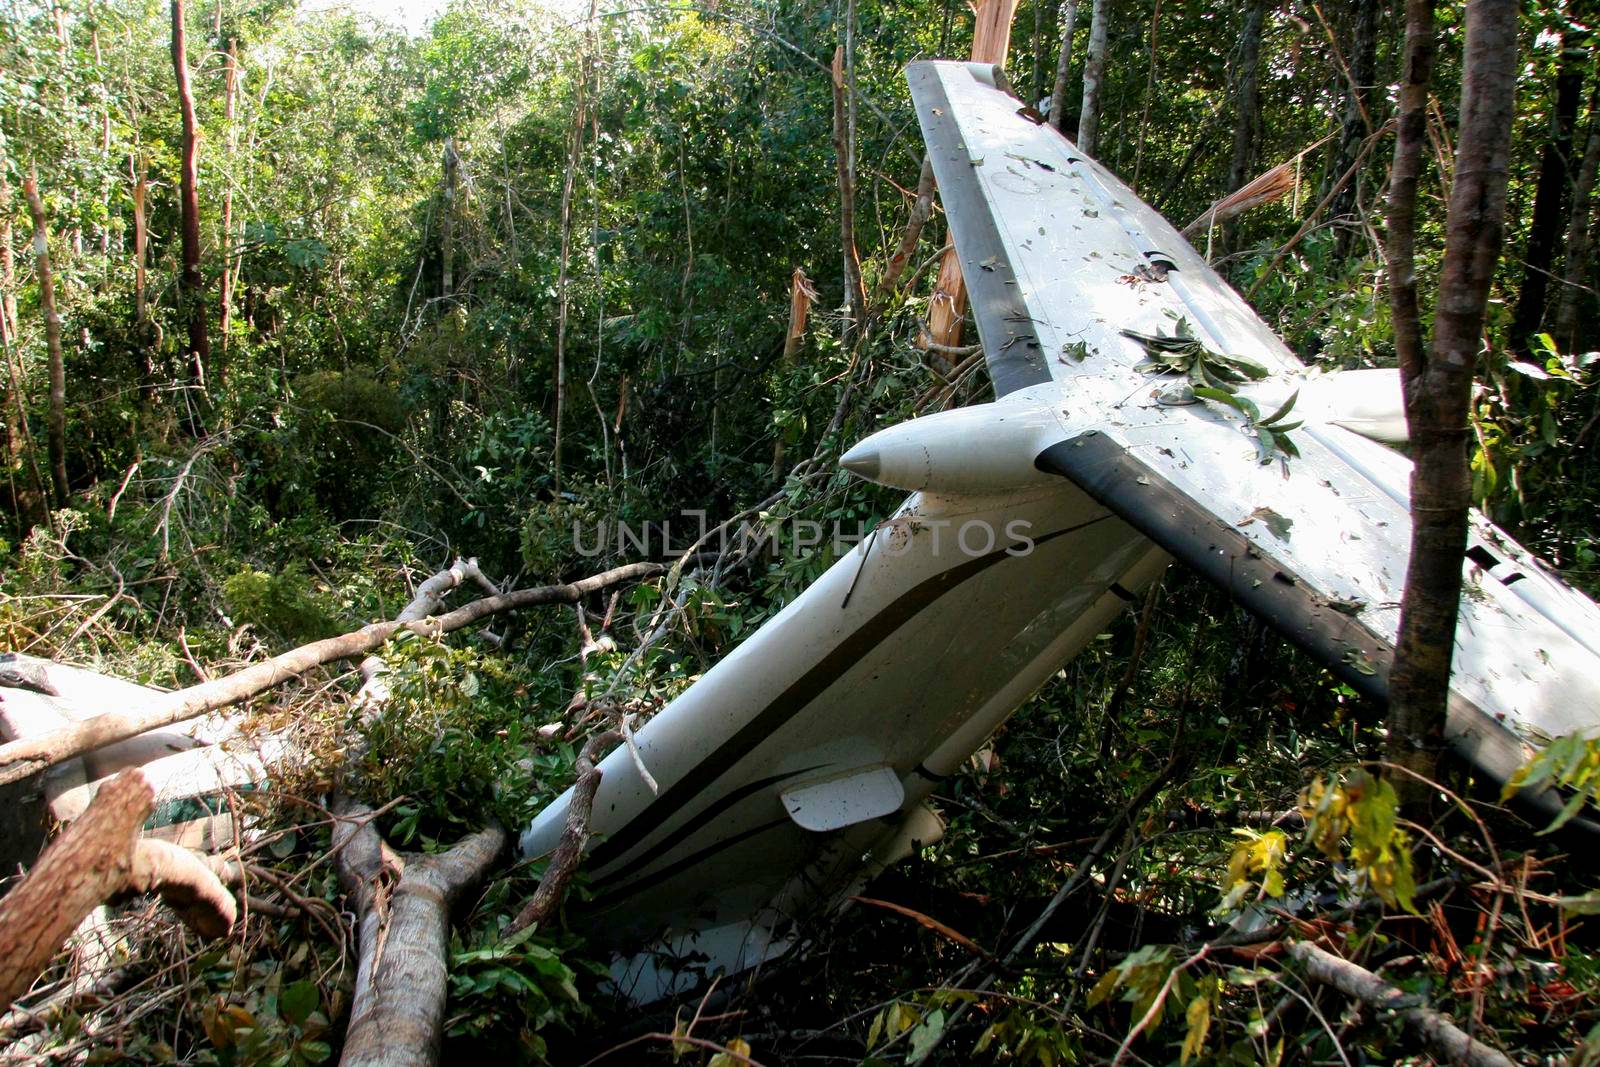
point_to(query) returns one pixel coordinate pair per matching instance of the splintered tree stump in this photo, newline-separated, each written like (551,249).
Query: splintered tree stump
(101,857)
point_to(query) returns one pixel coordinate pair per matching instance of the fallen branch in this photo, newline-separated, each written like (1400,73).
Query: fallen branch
(574,836)
(1433,1028)
(403,900)
(101,856)
(25,756)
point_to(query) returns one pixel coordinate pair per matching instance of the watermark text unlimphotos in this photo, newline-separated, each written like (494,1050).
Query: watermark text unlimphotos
(792,536)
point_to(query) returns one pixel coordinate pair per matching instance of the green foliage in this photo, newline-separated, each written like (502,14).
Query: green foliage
(1256,863)
(521,984)
(282,604)
(457,738)
(1355,819)
(1569,763)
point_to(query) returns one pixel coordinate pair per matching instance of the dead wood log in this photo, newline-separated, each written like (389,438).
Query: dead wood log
(101,856)
(26,756)
(564,860)
(403,900)
(1433,1028)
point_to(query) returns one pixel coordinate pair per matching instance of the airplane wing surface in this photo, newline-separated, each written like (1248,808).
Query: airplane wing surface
(1094,310)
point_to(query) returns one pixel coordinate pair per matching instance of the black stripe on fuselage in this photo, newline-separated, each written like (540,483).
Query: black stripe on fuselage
(800,694)
(649,855)
(655,878)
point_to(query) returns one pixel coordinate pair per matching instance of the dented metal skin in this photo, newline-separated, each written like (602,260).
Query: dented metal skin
(798,766)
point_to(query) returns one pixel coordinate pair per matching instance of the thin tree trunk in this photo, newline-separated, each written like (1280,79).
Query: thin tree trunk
(580,108)
(1573,295)
(844,154)
(193,282)
(1058,93)
(447,222)
(230,90)
(143,328)
(1041,10)
(1359,102)
(1094,73)
(1248,93)
(56,441)
(1549,198)
(8,264)
(1438,380)
(921,212)
(403,901)
(1149,96)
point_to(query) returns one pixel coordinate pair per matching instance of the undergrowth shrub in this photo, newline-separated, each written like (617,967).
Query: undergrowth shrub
(458,737)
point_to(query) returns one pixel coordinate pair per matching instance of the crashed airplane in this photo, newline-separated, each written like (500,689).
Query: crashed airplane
(1143,413)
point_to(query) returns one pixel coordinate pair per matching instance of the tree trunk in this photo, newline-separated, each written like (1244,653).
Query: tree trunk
(143,328)
(844,155)
(1573,295)
(1438,380)
(1058,93)
(99,857)
(1549,198)
(1359,102)
(1041,34)
(1094,73)
(193,282)
(57,423)
(1149,96)
(230,90)
(403,901)
(8,265)
(1248,94)
(447,222)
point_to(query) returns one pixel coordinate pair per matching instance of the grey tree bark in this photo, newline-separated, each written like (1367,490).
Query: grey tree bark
(1094,73)
(403,901)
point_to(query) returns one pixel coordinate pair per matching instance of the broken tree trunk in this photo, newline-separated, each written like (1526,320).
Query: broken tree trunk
(404,901)
(100,857)
(991,40)
(18,759)
(57,424)
(801,296)
(1442,1037)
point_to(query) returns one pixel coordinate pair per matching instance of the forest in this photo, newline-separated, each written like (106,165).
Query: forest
(333,351)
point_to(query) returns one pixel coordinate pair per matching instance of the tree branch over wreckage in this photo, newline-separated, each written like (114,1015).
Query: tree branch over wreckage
(20,758)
